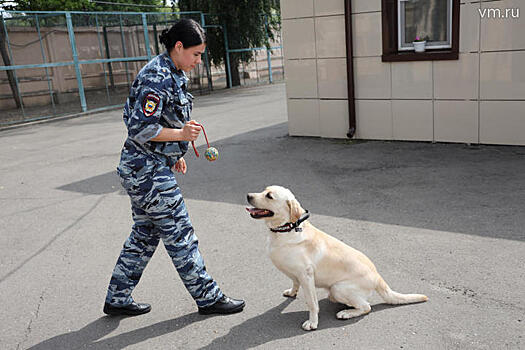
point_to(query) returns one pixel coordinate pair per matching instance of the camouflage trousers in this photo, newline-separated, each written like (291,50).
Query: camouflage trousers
(159,212)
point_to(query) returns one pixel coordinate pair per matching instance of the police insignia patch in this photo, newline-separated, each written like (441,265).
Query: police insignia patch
(150,105)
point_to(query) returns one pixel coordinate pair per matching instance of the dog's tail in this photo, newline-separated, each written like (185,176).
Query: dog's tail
(391,297)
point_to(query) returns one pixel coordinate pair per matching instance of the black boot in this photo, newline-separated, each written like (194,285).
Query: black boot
(224,305)
(132,309)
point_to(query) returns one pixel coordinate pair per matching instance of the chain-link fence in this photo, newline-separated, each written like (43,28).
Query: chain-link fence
(63,63)
(265,65)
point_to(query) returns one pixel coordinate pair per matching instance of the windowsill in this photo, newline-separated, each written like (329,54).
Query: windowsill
(430,55)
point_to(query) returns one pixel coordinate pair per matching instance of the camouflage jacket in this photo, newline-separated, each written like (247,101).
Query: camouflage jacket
(158,99)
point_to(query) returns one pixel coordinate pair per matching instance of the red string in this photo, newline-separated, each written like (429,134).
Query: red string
(205,136)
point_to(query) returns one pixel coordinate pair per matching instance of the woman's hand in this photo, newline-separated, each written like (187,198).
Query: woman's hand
(180,166)
(191,131)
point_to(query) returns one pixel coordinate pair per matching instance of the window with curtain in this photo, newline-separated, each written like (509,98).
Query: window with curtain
(435,21)
(430,20)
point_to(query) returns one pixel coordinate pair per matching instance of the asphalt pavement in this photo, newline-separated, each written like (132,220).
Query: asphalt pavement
(445,220)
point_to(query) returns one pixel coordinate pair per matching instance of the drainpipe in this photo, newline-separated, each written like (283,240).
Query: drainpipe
(350,69)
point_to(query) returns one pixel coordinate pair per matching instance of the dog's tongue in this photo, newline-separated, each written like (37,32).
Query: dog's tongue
(256,211)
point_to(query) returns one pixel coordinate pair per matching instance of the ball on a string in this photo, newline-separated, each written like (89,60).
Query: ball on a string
(211,154)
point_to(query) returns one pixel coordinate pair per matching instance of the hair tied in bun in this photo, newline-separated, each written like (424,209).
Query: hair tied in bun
(185,30)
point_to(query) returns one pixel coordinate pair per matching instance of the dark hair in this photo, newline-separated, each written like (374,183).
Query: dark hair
(185,30)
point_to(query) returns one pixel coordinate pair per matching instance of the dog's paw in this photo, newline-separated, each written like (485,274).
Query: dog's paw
(290,293)
(309,325)
(346,314)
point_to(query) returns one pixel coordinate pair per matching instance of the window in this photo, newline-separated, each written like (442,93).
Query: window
(430,20)
(435,21)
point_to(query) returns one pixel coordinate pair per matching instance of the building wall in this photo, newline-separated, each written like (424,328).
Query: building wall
(479,98)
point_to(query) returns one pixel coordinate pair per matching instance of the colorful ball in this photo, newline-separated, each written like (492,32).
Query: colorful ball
(211,154)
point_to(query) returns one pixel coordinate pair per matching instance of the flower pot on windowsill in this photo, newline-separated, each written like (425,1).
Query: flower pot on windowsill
(419,46)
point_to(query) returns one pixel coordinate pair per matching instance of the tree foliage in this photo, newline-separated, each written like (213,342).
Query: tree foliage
(249,23)
(86,5)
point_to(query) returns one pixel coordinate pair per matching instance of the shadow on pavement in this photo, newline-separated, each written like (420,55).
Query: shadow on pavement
(477,190)
(87,337)
(275,325)
(100,184)
(269,326)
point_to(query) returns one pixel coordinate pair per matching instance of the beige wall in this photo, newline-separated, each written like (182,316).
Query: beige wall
(478,98)
(315,67)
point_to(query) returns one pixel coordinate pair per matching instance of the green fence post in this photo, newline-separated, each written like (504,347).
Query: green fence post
(146,35)
(268,51)
(75,60)
(227,50)
(156,36)
(44,59)
(108,56)
(124,49)
(206,57)
(102,55)
(12,76)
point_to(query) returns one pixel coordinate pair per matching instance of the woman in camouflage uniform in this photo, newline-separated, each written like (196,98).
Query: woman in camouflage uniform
(157,116)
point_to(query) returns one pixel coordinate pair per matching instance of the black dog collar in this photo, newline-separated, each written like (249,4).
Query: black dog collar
(292,225)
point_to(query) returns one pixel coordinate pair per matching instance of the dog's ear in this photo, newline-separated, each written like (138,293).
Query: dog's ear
(295,210)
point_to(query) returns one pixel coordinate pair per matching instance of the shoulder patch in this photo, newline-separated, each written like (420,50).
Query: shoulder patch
(150,104)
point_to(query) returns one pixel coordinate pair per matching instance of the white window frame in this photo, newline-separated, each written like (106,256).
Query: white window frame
(401,46)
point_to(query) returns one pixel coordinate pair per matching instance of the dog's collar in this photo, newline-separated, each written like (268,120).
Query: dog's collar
(292,225)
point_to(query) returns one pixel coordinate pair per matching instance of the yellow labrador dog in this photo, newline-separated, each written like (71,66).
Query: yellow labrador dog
(312,258)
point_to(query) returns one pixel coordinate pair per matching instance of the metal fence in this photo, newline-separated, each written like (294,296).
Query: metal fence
(62,63)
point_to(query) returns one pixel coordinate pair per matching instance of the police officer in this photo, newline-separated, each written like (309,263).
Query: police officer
(157,116)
